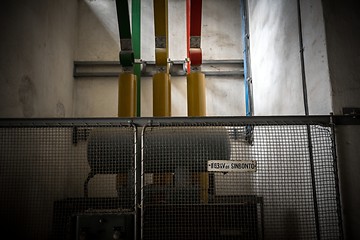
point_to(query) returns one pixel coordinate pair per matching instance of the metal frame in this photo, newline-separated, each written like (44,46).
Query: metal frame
(142,121)
(135,181)
(177,68)
(142,183)
(326,120)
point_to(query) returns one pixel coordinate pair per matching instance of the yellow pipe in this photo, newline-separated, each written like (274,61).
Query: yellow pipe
(127,95)
(161,33)
(161,57)
(126,108)
(197,108)
(196,94)
(204,186)
(161,95)
(160,17)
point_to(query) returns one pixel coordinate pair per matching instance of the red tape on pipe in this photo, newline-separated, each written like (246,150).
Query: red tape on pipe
(195,56)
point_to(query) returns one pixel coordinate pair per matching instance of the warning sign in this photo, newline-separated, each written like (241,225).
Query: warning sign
(231,166)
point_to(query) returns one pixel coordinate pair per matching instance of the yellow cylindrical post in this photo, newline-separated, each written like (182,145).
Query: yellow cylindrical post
(126,108)
(197,108)
(161,57)
(127,95)
(161,95)
(196,94)
(204,186)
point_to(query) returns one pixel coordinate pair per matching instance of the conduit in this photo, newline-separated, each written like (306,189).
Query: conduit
(245,40)
(195,32)
(127,80)
(188,36)
(161,80)
(195,79)
(136,41)
(196,94)
(128,95)
(126,54)
(161,94)
(306,109)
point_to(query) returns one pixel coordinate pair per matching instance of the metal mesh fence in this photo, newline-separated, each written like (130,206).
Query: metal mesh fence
(51,177)
(198,181)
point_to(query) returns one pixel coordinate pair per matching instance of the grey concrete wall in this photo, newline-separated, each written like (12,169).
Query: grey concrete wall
(349,170)
(316,58)
(99,40)
(38,167)
(42,36)
(342,24)
(274,38)
(37,48)
(277,84)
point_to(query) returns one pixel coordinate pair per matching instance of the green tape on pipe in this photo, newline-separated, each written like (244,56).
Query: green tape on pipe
(160,17)
(137,72)
(122,9)
(161,32)
(126,58)
(136,27)
(136,42)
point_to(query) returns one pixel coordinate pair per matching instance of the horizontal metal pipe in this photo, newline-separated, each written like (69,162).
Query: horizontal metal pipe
(255,120)
(177,68)
(116,63)
(175,74)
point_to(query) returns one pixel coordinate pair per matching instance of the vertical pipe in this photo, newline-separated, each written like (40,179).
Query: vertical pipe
(188,2)
(313,182)
(303,75)
(196,98)
(244,33)
(306,108)
(161,80)
(336,173)
(167,34)
(161,33)
(122,9)
(142,182)
(127,95)
(126,54)
(137,190)
(161,95)
(127,80)
(136,42)
(247,69)
(195,79)
(196,94)
(127,87)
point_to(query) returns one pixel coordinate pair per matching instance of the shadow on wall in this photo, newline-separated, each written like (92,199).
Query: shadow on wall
(98,37)
(27,95)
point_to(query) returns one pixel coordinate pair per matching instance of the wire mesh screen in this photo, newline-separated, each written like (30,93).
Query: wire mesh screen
(198,181)
(239,182)
(58,182)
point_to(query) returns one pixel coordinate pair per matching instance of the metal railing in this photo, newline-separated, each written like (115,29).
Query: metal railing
(152,172)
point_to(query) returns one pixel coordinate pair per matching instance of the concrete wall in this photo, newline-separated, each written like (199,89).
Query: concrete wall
(274,39)
(342,24)
(36,58)
(38,167)
(99,40)
(42,38)
(331,37)
(277,87)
